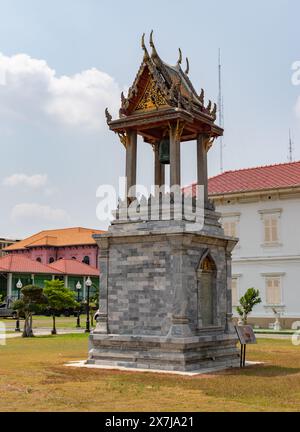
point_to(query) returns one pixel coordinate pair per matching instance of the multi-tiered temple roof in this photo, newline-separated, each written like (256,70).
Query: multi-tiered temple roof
(161,93)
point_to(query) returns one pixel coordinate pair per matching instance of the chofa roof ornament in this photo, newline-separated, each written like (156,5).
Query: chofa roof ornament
(154,52)
(179,61)
(187,66)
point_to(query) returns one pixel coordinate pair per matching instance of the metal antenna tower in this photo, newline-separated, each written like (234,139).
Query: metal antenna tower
(290,147)
(220,109)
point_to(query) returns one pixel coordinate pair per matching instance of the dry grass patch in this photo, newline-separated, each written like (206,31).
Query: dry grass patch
(33,378)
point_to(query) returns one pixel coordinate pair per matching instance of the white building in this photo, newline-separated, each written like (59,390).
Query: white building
(261,206)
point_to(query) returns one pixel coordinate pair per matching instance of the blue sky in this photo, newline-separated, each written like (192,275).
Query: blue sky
(77,57)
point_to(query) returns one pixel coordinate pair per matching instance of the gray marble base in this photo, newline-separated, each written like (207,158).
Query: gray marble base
(175,354)
(153,297)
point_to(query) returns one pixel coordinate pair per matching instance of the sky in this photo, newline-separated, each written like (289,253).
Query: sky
(63,61)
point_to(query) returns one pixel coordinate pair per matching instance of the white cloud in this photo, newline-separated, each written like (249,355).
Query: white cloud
(31,91)
(33,181)
(42,213)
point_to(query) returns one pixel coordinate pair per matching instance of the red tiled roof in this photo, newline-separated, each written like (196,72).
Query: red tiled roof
(75,268)
(283,175)
(58,237)
(20,264)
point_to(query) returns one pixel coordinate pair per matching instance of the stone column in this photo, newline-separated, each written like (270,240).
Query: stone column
(66,281)
(159,168)
(175,178)
(131,147)
(180,320)
(9,285)
(202,164)
(102,320)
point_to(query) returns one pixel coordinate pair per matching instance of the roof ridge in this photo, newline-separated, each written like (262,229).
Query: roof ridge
(256,167)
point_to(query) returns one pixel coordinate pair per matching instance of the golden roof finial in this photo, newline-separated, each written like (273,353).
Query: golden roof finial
(187,66)
(180,57)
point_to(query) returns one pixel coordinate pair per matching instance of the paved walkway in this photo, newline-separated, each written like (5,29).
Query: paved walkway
(272,336)
(45,332)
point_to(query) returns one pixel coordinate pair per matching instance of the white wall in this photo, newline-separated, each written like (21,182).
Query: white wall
(251,258)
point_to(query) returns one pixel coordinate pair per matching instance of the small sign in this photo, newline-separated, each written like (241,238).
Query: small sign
(245,334)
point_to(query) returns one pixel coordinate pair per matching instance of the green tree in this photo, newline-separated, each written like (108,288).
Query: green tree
(31,301)
(59,297)
(247,303)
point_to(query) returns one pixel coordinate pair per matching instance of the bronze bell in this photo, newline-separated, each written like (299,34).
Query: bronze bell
(164,151)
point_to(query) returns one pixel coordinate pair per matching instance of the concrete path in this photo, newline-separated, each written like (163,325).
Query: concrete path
(272,336)
(45,332)
(83,364)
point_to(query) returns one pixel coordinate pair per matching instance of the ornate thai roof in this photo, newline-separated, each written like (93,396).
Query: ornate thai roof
(160,85)
(162,96)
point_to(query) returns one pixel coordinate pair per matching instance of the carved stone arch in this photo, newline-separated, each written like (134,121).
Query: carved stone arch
(206,290)
(206,261)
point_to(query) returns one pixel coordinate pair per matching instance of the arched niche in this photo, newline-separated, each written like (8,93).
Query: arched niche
(206,290)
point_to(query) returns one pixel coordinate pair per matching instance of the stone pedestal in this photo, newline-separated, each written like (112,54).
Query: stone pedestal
(152,312)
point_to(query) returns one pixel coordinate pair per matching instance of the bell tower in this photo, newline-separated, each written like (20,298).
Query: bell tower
(165,278)
(163,107)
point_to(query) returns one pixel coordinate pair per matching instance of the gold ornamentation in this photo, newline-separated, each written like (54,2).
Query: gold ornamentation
(208,142)
(178,129)
(123,138)
(152,98)
(207,265)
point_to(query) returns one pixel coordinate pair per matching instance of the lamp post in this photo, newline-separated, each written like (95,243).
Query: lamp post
(78,287)
(88,284)
(19,287)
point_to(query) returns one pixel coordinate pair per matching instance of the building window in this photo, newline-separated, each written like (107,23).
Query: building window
(230,223)
(86,260)
(273,290)
(74,258)
(230,228)
(271,229)
(39,259)
(271,226)
(235,291)
(51,260)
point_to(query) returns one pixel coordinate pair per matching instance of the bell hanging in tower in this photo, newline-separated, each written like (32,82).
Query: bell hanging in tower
(164,151)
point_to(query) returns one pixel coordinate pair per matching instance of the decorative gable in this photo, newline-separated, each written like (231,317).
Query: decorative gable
(152,98)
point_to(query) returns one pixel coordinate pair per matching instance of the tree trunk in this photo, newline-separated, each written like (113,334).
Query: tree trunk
(54,332)
(27,332)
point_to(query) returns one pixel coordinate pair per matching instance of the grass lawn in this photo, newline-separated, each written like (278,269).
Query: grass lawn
(33,378)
